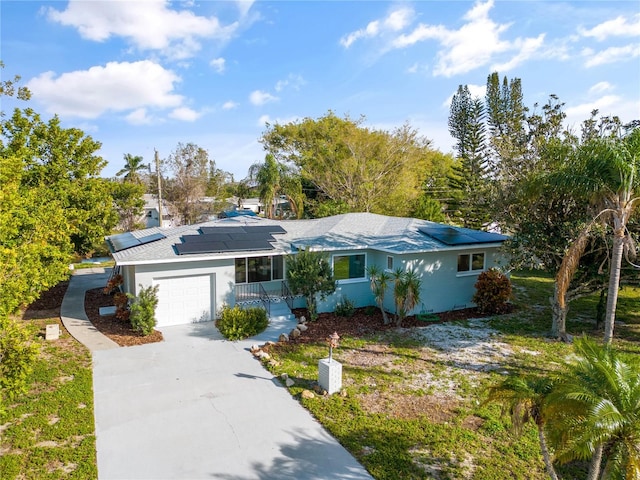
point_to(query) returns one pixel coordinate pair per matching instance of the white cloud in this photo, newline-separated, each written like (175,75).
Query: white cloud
(611,55)
(600,87)
(139,117)
(258,97)
(229,105)
(218,64)
(185,114)
(618,27)
(115,87)
(474,44)
(605,105)
(292,81)
(263,120)
(526,49)
(244,6)
(148,25)
(394,22)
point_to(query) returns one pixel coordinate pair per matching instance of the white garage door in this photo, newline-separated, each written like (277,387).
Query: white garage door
(184,300)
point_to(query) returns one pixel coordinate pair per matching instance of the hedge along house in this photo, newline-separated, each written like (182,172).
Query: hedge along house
(200,268)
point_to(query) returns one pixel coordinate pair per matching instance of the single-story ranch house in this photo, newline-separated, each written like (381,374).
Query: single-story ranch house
(199,268)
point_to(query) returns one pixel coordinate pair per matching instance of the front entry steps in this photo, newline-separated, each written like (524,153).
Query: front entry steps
(280,317)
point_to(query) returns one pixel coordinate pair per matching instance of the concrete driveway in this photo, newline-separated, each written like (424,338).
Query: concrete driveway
(196,406)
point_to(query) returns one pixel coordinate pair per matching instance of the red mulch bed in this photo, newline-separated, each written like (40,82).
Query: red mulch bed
(119,331)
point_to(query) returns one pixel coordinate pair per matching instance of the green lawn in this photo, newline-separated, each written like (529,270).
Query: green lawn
(49,432)
(413,412)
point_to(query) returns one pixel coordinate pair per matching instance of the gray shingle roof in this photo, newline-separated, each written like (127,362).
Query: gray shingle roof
(350,231)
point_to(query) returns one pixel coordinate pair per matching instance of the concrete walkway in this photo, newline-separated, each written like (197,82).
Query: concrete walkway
(72,311)
(197,406)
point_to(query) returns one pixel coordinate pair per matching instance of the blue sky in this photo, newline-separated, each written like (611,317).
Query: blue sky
(144,75)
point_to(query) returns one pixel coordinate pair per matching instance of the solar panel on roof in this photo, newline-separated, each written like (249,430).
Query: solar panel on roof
(251,236)
(225,229)
(126,240)
(151,238)
(222,247)
(243,229)
(265,228)
(189,248)
(123,241)
(250,245)
(457,236)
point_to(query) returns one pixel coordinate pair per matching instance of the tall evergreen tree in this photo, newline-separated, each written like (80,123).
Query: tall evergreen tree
(470,179)
(506,116)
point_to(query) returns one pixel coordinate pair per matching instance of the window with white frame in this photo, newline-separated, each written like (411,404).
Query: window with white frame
(349,267)
(470,262)
(259,269)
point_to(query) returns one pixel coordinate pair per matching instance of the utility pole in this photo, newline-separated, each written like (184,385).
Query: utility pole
(159,188)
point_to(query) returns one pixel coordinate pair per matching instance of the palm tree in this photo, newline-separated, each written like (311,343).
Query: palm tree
(605,171)
(406,290)
(524,398)
(613,166)
(273,180)
(379,280)
(132,167)
(595,412)
(267,177)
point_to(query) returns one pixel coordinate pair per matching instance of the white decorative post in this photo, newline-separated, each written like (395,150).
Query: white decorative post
(329,370)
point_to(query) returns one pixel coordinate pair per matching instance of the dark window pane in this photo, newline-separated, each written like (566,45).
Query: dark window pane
(241,270)
(278,268)
(389,263)
(356,266)
(259,269)
(463,262)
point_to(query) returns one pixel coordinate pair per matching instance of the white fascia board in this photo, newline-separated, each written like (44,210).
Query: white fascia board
(201,258)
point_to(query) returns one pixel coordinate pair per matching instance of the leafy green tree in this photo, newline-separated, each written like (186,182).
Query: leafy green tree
(133,165)
(368,170)
(524,397)
(54,204)
(379,281)
(309,273)
(10,88)
(129,202)
(219,186)
(594,411)
(18,352)
(188,166)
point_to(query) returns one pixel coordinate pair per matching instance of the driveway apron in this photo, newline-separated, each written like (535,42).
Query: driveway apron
(197,406)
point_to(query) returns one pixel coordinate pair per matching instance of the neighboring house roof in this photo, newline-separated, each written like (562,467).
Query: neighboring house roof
(350,231)
(151,203)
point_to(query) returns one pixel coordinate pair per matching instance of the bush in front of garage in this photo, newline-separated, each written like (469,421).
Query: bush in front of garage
(236,323)
(143,310)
